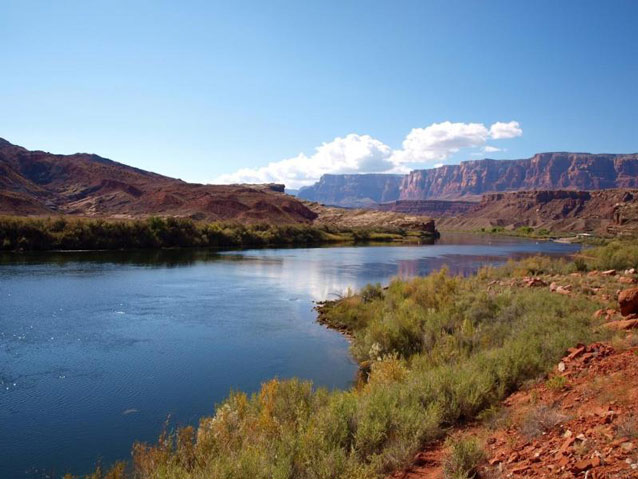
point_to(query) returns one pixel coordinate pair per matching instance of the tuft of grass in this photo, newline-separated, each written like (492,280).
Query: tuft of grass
(466,454)
(628,427)
(541,419)
(495,417)
(556,383)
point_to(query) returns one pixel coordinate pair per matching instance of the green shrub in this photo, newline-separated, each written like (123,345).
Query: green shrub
(466,454)
(371,292)
(557,383)
(617,254)
(524,230)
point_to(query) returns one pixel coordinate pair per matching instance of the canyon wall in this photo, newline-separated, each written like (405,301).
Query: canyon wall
(471,179)
(544,171)
(353,190)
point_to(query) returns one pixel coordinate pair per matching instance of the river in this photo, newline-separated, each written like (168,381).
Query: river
(98,349)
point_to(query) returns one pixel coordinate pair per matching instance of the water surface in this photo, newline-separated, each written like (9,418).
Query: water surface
(97,349)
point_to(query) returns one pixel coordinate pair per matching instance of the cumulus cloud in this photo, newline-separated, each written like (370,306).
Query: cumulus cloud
(350,154)
(353,153)
(439,141)
(500,130)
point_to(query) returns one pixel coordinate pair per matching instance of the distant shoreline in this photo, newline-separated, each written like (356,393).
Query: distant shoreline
(21,234)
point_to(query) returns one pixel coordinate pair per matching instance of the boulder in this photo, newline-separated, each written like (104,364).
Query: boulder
(533,282)
(628,301)
(622,325)
(609,272)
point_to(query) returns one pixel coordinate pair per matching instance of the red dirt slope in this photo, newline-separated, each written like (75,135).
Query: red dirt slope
(40,183)
(582,423)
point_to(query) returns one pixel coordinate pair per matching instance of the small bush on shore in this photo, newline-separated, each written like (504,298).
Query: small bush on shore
(617,254)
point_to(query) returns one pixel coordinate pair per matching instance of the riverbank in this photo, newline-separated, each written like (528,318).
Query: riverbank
(436,352)
(72,233)
(520,232)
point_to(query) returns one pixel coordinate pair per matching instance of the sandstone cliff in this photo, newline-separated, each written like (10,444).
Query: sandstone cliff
(544,171)
(353,190)
(471,179)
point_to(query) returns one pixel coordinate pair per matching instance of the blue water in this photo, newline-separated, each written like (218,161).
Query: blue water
(97,349)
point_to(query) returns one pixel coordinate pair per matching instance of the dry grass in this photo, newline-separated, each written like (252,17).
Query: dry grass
(540,419)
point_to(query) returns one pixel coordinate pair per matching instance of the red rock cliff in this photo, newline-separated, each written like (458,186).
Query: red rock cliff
(546,171)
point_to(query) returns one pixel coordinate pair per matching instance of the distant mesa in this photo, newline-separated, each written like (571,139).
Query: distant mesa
(469,180)
(358,191)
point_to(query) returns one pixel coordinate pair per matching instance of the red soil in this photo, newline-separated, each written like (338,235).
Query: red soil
(595,435)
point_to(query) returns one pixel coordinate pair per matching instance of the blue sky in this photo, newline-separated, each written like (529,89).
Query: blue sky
(202,89)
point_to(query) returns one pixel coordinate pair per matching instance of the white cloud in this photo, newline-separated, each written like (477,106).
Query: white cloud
(422,147)
(491,149)
(350,154)
(500,130)
(439,141)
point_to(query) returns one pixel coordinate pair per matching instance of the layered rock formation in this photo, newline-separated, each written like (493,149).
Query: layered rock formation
(603,211)
(544,171)
(353,190)
(432,208)
(471,179)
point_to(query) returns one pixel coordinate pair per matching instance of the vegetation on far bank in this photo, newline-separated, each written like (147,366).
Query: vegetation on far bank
(436,352)
(522,231)
(68,233)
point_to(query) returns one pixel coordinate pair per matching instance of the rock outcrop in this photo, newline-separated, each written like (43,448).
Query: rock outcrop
(348,218)
(628,301)
(608,211)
